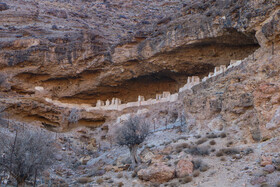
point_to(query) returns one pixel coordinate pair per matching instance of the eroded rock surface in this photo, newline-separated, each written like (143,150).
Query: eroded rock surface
(82,51)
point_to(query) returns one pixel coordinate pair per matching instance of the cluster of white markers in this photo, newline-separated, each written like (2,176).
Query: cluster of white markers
(115,103)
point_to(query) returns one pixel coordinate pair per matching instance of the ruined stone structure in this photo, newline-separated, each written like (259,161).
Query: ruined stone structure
(116,104)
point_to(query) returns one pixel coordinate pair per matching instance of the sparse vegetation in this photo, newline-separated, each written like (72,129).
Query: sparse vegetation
(230,151)
(248,151)
(201,141)
(204,167)
(120,175)
(219,153)
(202,151)
(223,135)
(83,180)
(187,179)
(197,163)
(196,173)
(229,143)
(223,159)
(131,134)
(197,136)
(212,135)
(212,142)
(182,146)
(278,184)
(25,154)
(99,181)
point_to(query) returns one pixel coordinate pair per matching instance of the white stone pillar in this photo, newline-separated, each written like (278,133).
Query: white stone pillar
(216,71)
(204,79)
(165,94)
(98,103)
(107,102)
(210,75)
(223,68)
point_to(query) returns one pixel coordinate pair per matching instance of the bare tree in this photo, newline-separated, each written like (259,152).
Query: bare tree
(131,134)
(25,154)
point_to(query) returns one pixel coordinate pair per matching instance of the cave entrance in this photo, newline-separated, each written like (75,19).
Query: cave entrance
(168,71)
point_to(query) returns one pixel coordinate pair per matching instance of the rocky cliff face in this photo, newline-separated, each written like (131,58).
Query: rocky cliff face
(58,57)
(82,51)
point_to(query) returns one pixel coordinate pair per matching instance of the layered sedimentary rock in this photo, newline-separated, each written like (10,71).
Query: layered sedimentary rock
(82,51)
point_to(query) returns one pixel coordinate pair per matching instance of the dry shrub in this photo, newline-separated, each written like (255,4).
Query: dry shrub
(197,163)
(204,168)
(200,151)
(99,181)
(84,180)
(196,173)
(25,154)
(187,179)
(201,141)
(131,134)
(212,142)
(212,135)
(223,135)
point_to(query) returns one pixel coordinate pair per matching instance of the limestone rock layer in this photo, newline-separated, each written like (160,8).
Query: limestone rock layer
(84,51)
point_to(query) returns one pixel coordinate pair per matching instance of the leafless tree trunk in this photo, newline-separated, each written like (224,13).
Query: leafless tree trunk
(20,182)
(131,134)
(133,155)
(35,178)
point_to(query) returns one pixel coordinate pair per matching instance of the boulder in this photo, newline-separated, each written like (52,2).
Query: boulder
(184,168)
(258,180)
(146,155)
(266,161)
(3,6)
(157,173)
(269,168)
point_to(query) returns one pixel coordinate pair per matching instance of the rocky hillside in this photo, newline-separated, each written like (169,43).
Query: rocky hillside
(222,132)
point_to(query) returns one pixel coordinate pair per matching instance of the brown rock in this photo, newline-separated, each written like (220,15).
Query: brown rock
(157,173)
(3,6)
(269,168)
(146,155)
(184,168)
(266,161)
(258,180)
(84,160)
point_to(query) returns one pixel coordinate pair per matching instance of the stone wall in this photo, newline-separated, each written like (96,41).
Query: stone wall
(115,103)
